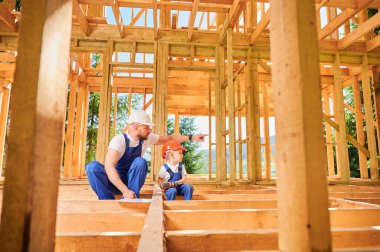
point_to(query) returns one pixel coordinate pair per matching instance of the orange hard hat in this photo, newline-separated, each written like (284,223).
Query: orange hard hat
(171,145)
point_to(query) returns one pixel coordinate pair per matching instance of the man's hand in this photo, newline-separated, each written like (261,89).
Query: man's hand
(128,194)
(199,137)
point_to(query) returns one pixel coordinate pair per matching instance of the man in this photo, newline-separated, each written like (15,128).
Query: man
(125,170)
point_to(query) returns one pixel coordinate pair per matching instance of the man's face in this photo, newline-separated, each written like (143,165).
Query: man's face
(143,132)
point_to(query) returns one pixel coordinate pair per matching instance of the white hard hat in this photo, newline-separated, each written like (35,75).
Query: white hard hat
(140,117)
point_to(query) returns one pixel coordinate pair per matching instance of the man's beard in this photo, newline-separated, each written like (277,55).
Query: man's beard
(142,137)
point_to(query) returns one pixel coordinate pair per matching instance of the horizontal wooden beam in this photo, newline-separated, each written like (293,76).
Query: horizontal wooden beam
(97,241)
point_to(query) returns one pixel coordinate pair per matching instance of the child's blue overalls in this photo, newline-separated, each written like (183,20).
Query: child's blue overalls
(132,169)
(185,190)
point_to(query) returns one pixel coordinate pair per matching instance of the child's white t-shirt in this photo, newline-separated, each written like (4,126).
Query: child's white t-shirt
(166,176)
(118,143)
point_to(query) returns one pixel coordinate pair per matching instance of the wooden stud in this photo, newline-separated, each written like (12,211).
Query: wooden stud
(192,17)
(359,127)
(267,146)
(176,122)
(67,170)
(81,18)
(240,147)
(231,108)
(220,113)
(305,226)
(5,95)
(342,148)
(118,18)
(38,106)
(329,141)
(115,112)
(105,104)
(261,26)
(369,120)
(210,129)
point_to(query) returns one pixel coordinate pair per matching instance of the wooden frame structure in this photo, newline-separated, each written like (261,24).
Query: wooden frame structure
(231,65)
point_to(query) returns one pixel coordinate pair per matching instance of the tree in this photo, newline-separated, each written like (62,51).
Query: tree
(192,158)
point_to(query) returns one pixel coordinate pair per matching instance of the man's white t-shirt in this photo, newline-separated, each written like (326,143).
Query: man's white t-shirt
(118,143)
(166,175)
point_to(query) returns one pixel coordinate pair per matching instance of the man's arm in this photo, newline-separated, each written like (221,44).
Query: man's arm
(180,138)
(111,160)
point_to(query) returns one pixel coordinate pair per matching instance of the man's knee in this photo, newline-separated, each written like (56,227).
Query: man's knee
(93,166)
(188,188)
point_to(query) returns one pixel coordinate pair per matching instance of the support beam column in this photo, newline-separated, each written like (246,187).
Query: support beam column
(359,127)
(366,86)
(304,223)
(4,108)
(38,106)
(343,163)
(220,116)
(329,141)
(231,108)
(160,116)
(105,104)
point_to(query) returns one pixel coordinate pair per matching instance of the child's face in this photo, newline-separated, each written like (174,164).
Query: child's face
(176,156)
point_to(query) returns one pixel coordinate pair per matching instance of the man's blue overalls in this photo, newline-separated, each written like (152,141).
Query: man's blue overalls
(132,169)
(186,190)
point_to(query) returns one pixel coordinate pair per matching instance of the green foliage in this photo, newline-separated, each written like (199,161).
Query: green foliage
(192,158)
(372,12)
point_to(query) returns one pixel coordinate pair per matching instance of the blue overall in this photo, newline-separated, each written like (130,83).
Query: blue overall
(185,190)
(132,169)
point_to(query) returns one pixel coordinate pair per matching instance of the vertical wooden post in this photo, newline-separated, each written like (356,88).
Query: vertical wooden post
(359,127)
(67,170)
(82,160)
(240,147)
(130,96)
(329,143)
(105,104)
(79,131)
(343,163)
(210,130)
(231,107)
(115,112)
(38,106)
(374,75)
(176,122)
(5,95)
(266,133)
(160,106)
(251,81)
(220,116)
(366,86)
(303,204)
(256,118)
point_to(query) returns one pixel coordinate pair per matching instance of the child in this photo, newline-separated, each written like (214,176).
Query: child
(172,175)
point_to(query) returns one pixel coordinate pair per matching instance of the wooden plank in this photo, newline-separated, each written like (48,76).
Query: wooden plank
(367,26)
(373,44)
(342,148)
(8,18)
(105,104)
(261,27)
(97,241)
(135,18)
(219,204)
(348,136)
(101,206)
(330,154)
(4,108)
(239,138)
(118,18)
(341,19)
(152,237)
(267,146)
(359,128)
(81,17)
(100,222)
(38,111)
(231,108)
(233,16)
(79,131)
(367,97)
(264,240)
(220,119)
(190,24)
(298,123)
(69,138)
